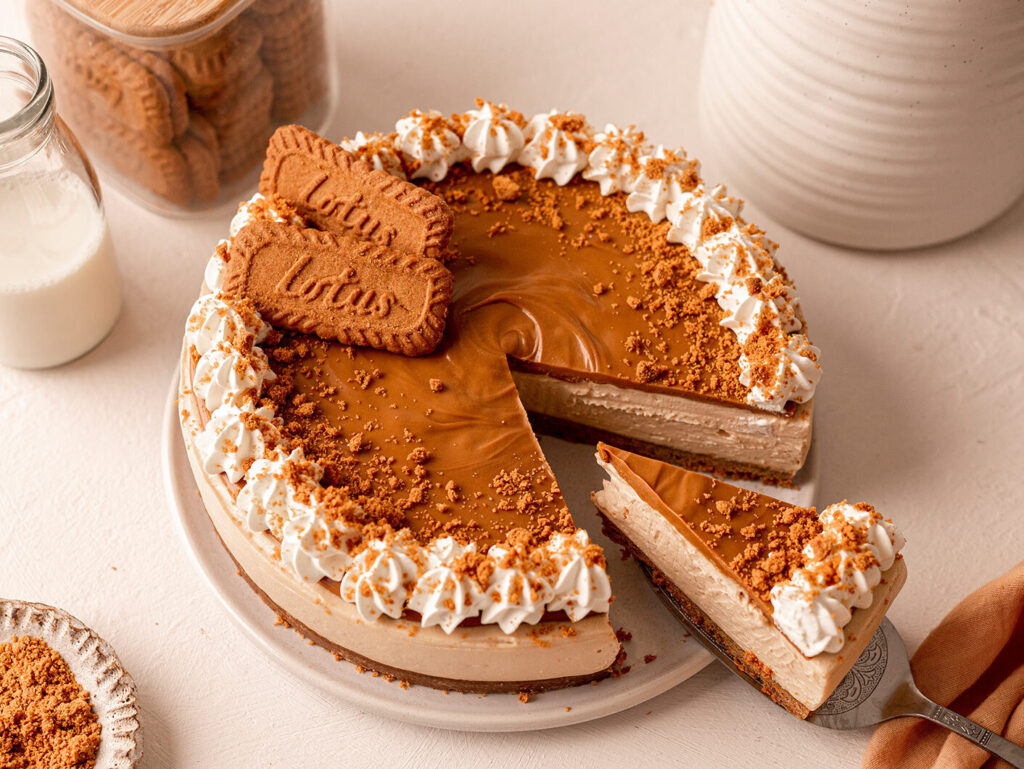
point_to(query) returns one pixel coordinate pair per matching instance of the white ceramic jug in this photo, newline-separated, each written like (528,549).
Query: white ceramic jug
(877,124)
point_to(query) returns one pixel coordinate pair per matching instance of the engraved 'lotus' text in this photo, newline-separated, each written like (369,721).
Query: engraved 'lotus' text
(341,291)
(351,211)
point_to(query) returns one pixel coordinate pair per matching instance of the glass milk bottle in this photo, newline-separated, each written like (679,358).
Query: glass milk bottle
(60,291)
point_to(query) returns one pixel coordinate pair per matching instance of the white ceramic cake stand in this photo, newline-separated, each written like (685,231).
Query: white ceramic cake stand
(637,610)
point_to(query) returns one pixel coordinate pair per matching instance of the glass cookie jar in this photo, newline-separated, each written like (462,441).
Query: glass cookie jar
(177,100)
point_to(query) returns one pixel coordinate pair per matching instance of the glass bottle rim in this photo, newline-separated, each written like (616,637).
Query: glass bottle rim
(39,105)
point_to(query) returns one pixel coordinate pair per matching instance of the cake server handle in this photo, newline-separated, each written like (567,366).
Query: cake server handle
(908,701)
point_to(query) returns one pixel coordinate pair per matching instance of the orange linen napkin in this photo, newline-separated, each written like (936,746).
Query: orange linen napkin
(973,663)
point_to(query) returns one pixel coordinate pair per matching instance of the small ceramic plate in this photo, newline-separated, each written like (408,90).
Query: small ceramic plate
(96,668)
(656,635)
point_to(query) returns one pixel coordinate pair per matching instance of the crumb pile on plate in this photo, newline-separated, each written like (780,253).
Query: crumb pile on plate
(46,717)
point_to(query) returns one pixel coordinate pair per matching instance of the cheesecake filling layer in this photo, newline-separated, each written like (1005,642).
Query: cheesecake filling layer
(706,428)
(737,612)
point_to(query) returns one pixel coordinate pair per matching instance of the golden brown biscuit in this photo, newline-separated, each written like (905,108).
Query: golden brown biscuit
(200,128)
(217,99)
(248,108)
(243,126)
(114,83)
(273,7)
(213,63)
(159,168)
(202,167)
(348,197)
(293,51)
(171,81)
(340,288)
(244,158)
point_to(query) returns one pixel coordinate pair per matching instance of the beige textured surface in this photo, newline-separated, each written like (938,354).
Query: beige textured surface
(920,412)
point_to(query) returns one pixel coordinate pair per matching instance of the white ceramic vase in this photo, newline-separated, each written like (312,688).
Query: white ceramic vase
(878,124)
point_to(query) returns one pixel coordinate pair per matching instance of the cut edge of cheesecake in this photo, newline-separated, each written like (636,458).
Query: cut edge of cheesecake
(718,603)
(697,433)
(478,658)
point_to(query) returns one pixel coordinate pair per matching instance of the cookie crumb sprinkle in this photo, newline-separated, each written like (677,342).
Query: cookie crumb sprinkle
(46,718)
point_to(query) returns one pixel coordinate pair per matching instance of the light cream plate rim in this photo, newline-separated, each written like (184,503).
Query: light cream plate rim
(636,609)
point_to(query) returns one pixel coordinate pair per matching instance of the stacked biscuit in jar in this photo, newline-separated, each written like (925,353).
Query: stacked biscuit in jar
(183,115)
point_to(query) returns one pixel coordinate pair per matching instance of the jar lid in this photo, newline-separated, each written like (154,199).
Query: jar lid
(155,23)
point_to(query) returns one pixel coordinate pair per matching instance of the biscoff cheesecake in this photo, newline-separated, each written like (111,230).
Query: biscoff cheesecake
(792,594)
(397,508)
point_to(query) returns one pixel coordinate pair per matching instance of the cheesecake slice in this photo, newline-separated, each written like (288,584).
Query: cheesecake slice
(794,595)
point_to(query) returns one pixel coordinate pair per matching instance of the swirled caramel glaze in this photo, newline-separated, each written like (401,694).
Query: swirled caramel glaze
(554,279)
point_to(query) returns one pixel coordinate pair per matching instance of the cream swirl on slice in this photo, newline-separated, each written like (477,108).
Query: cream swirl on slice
(378,150)
(662,177)
(493,136)
(556,146)
(445,594)
(428,145)
(842,567)
(615,160)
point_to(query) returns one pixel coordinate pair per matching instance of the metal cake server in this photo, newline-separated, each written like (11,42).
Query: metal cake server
(879,687)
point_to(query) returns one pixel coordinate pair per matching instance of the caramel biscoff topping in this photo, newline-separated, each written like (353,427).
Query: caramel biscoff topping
(46,719)
(654,280)
(368,466)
